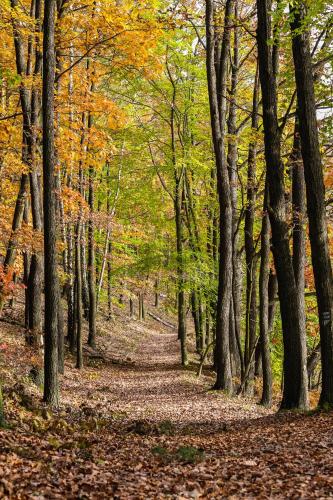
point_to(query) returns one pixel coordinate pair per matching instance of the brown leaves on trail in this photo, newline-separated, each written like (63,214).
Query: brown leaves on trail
(149,429)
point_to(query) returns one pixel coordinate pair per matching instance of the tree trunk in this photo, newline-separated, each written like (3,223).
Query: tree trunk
(294,365)
(178,209)
(91,256)
(139,306)
(22,70)
(78,294)
(26,272)
(109,282)
(315,192)
(272,291)
(217,100)
(61,338)
(131,304)
(36,266)
(181,306)
(266,397)
(51,390)
(298,211)
(312,363)
(84,271)
(249,243)
(157,293)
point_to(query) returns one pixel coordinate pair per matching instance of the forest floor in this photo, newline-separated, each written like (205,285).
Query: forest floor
(134,425)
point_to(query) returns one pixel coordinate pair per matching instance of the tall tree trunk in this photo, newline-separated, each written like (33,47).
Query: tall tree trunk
(78,295)
(26,272)
(192,226)
(51,390)
(181,306)
(294,364)
(22,69)
(36,266)
(232,157)
(91,257)
(298,211)
(178,210)
(109,281)
(69,232)
(315,192)
(84,271)
(217,79)
(250,250)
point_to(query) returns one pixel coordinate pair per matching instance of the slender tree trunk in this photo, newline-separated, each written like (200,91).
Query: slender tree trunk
(143,313)
(109,281)
(266,397)
(272,292)
(61,336)
(181,306)
(22,69)
(91,255)
(51,390)
(69,232)
(131,304)
(178,209)
(139,306)
(250,250)
(217,79)
(315,192)
(78,294)
(232,157)
(298,210)
(84,272)
(36,266)
(26,272)
(70,283)
(157,293)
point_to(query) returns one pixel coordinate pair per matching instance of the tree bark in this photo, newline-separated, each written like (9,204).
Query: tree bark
(298,211)
(294,365)
(217,79)
(36,266)
(249,243)
(315,192)
(51,389)
(178,209)
(78,295)
(266,397)
(91,252)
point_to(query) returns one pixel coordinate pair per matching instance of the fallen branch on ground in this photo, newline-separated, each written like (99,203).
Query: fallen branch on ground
(160,320)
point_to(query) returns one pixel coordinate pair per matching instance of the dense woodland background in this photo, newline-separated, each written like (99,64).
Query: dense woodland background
(170,162)
(156,182)
(165,248)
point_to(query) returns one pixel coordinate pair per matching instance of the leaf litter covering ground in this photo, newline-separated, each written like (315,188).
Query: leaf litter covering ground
(134,425)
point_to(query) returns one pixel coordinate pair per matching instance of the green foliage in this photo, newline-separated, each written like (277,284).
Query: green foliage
(190,454)
(184,454)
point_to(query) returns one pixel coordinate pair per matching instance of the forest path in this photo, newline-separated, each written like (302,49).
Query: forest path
(149,382)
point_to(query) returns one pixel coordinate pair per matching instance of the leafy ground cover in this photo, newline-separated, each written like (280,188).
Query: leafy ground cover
(135,425)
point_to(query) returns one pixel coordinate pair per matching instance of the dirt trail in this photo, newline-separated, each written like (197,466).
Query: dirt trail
(152,384)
